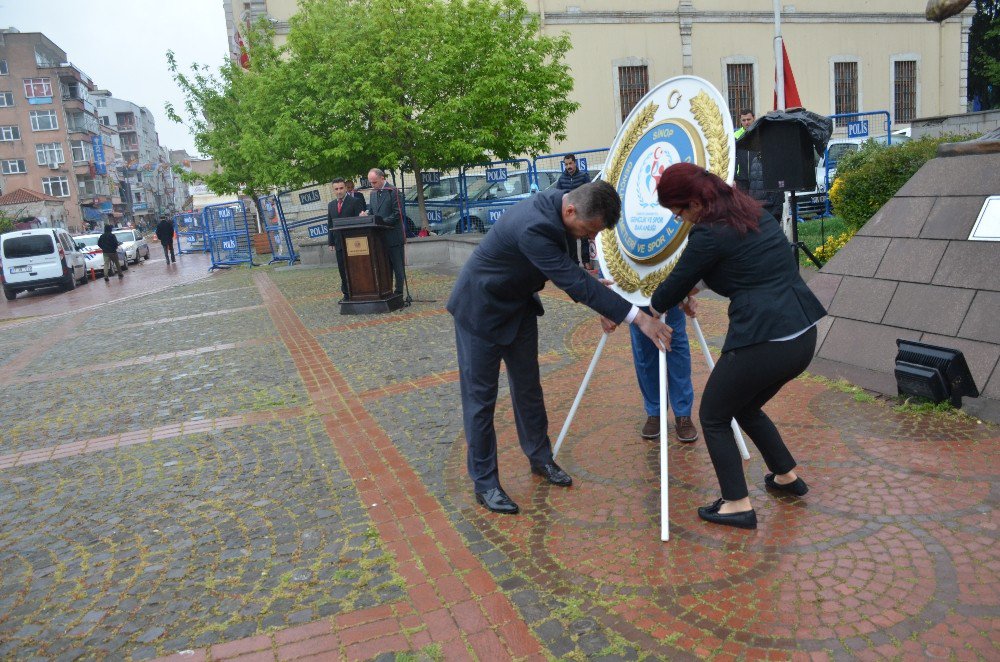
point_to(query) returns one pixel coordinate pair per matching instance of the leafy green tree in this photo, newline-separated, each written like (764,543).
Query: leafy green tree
(420,85)
(415,85)
(230,113)
(984,54)
(6,223)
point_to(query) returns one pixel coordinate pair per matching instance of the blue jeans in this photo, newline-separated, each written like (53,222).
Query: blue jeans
(645,355)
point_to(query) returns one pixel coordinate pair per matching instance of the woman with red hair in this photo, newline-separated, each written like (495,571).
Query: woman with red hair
(739,251)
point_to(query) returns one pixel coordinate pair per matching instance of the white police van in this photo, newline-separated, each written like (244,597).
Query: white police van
(42,257)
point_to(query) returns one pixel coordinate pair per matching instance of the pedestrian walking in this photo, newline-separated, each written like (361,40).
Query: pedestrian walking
(108,243)
(165,234)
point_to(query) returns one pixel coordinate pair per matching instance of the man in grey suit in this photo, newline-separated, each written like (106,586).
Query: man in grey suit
(385,202)
(496,306)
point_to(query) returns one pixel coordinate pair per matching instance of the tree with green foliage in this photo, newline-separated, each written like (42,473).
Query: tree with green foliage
(230,115)
(984,54)
(415,85)
(424,84)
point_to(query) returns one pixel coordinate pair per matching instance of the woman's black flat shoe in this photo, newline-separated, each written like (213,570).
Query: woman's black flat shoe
(744,520)
(797,487)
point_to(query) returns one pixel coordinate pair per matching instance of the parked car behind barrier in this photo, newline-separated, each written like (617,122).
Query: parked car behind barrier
(488,200)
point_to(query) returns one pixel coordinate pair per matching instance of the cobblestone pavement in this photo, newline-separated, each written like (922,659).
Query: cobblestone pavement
(232,470)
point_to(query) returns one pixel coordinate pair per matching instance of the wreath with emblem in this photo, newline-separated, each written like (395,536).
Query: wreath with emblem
(709,117)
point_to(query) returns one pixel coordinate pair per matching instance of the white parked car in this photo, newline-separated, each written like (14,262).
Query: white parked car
(42,257)
(134,244)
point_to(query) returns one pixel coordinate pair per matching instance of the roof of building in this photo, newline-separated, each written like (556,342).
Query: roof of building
(24,196)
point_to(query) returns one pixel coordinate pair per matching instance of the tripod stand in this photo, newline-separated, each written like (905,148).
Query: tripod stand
(798,245)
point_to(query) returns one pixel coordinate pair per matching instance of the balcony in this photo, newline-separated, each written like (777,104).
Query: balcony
(67,72)
(82,123)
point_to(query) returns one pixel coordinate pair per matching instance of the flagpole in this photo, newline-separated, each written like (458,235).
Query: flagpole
(779,58)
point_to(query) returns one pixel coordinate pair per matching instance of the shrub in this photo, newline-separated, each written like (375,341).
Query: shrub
(6,223)
(869,177)
(832,245)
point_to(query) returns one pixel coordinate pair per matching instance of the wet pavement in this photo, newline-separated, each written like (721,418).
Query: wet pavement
(229,469)
(148,276)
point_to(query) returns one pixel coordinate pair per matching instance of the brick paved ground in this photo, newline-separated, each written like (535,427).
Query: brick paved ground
(230,469)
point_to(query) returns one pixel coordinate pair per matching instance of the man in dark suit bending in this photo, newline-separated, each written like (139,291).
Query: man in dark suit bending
(342,206)
(496,306)
(385,202)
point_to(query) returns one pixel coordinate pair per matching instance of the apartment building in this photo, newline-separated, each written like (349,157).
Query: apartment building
(141,160)
(846,57)
(49,131)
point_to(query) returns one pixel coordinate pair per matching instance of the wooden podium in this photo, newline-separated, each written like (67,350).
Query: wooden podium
(369,274)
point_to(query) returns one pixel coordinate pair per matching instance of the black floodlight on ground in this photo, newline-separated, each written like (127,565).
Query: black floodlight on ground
(935,373)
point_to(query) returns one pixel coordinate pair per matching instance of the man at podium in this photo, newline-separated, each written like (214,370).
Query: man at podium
(385,202)
(342,206)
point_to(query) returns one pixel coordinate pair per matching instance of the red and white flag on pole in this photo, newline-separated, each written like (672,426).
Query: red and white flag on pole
(791,91)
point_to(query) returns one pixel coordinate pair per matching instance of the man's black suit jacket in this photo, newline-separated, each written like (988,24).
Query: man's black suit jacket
(523,250)
(759,274)
(386,203)
(351,207)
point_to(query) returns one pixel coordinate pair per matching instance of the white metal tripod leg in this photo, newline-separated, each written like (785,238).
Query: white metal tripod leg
(740,442)
(664,474)
(579,394)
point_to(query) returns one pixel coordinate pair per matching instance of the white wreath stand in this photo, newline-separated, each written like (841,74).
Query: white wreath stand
(664,474)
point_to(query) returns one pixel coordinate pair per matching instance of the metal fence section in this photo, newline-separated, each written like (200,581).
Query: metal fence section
(489,189)
(274,225)
(548,167)
(190,232)
(228,235)
(442,202)
(304,213)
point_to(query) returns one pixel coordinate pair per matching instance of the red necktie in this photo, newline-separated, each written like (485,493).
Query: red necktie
(340,205)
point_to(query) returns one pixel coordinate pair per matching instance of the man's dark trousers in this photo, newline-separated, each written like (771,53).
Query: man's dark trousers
(168,251)
(479,373)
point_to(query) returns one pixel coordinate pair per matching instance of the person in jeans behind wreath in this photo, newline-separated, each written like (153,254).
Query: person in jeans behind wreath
(741,252)
(108,243)
(165,235)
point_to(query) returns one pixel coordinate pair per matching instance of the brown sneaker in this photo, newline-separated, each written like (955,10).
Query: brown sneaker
(686,431)
(651,430)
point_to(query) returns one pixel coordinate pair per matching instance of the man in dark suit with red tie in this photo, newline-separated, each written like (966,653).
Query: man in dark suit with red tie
(342,206)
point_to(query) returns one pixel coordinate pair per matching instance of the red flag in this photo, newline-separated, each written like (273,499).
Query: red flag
(241,49)
(791,91)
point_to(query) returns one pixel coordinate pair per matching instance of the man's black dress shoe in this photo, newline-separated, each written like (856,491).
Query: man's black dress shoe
(797,487)
(745,520)
(553,474)
(497,501)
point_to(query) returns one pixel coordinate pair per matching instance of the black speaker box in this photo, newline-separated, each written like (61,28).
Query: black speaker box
(786,157)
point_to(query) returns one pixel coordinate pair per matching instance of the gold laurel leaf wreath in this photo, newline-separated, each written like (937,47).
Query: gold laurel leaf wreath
(706,112)
(624,276)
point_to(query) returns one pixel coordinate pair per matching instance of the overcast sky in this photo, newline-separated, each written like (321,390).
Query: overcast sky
(122,45)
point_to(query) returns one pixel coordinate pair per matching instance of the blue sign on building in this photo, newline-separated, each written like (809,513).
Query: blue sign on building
(433,215)
(140,206)
(496,174)
(100,167)
(320,230)
(857,129)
